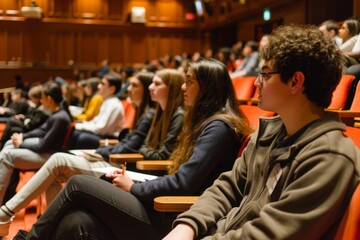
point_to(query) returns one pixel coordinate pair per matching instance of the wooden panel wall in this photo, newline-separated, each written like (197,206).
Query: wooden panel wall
(82,33)
(247,14)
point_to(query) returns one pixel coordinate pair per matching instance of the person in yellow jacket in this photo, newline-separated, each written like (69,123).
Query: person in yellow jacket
(92,101)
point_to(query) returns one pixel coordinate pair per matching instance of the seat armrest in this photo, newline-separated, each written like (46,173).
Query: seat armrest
(174,203)
(154,164)
(126,157)
(357,122)
(106,142)
(249,101)
(347,116)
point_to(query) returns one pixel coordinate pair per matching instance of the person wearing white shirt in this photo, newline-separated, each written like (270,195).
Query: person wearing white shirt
(349,33)
(353,57)
(108,123)
(330,29)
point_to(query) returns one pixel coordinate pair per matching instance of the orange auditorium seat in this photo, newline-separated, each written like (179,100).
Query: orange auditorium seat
(341,92)
(129,113)
(253,113)
(349,228)
(244,87)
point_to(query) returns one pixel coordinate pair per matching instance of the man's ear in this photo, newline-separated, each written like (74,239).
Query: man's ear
(297,81)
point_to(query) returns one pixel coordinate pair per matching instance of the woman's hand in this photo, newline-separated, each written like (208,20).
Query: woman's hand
(181,232)
(123,181)
(114,173)
(17,139)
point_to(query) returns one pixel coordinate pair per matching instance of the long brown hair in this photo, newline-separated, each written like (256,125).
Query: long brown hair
(216,100)
(160,124)
(146,103)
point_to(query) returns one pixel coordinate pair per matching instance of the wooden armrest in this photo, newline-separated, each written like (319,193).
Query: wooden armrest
(126,157)
(346,113)
(253,101)
(347,116)
(106,142)
(154,164)
(174,203)
(249,101)
(243,101)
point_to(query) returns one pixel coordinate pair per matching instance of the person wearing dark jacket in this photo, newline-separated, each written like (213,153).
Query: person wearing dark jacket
(20,123)
(144,113)
(18,106)
(34,118)
(30,150)
(213,130)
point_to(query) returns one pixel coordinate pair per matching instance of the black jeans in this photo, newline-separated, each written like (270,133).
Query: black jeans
(90,208)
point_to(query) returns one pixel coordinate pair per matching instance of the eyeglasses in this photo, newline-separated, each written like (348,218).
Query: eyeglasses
(265,75)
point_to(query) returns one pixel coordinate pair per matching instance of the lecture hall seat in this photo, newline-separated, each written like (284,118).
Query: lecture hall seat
(341,92)
(349,117)
(244,88)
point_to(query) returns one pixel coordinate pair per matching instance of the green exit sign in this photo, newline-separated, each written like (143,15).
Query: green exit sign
(267,14)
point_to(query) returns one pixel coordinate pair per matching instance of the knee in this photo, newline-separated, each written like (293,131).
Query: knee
(57,163)
(5,157)
(58,159)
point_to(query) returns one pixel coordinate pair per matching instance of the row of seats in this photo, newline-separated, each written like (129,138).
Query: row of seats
(247,96)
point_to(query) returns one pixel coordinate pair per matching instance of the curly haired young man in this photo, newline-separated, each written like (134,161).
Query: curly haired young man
(298,172)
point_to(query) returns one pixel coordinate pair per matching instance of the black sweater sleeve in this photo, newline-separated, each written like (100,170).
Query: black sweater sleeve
(35,118)
(215,151)
(52,133)
(132,142)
